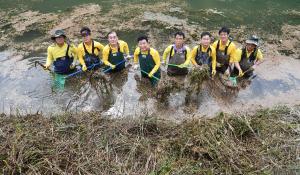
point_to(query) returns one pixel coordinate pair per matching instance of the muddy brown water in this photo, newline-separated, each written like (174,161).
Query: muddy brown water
(27,89)
(25,26)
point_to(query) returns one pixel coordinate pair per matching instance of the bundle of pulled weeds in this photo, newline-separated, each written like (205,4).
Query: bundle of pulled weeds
(198,75)
(166,86)
(261,143)
(195,79)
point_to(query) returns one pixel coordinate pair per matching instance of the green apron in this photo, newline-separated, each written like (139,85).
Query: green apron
(147,64)
(116,58)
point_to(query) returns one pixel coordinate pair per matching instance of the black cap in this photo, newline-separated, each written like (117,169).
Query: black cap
(85,30)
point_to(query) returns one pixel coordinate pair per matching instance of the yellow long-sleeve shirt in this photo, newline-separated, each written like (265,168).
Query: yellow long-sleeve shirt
(230,51)
(239,52)
(123,48)
(212,54)
(54,51)
(98,47)
(168,50)
(155,55)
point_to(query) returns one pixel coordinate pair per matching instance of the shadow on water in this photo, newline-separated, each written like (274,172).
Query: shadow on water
(261,87)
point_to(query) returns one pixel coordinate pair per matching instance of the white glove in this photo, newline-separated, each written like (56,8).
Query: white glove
(127,57)
(73,65)
(227,72)
(135,67)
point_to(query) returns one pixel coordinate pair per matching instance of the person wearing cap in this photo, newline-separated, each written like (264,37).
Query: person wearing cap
(247,58)
(61,54)
(204,53)
(178,55)
(148,59)
(89,50)
(225,52)
(115,52)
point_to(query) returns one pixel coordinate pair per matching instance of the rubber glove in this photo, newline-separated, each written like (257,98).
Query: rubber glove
(253,67)
(227,72)
(84,68)
(127,57)
(136,66)
(213,72)
(72,66)
(150,75)
(46,67)
(197,66)
(112,66)
(241,73)
(182,65)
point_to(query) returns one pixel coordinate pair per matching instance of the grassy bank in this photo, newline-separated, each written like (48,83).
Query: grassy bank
(261,143)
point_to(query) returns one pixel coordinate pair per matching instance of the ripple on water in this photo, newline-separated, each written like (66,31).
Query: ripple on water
(28,89)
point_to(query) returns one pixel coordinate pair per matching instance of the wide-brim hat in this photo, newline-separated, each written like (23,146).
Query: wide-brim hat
(58,33)
(252,40)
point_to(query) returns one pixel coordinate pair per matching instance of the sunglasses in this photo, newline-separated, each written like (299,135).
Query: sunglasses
(85,34)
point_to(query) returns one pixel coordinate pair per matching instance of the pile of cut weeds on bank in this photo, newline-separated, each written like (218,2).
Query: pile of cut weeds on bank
(263,143)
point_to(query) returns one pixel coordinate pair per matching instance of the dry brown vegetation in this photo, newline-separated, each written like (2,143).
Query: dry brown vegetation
(261,143)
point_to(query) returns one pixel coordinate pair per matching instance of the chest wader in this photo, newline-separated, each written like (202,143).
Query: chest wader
(247,63)
(204,57)
(116,58)
(177,59)
(222,58)
(62,64)
(147,64)
(90,58)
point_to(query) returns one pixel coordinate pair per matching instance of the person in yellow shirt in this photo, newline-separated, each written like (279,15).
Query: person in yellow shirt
(61,54)
(115,52)
(247,58)
(225,50)
(178,55)
(89,50)
(204,54)
(148,59)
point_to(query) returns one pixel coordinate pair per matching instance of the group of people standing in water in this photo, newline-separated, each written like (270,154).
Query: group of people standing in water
(221,56)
